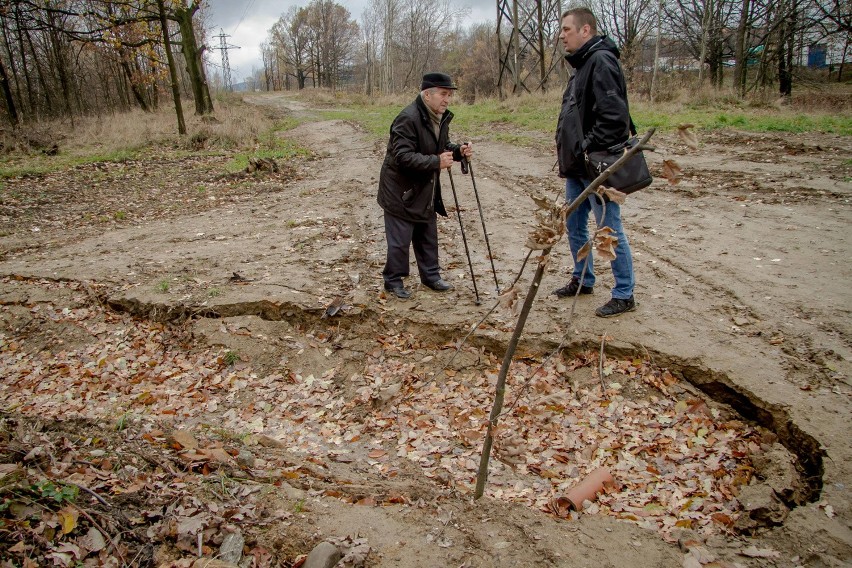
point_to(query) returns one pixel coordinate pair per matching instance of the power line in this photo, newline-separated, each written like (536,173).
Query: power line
(248,7)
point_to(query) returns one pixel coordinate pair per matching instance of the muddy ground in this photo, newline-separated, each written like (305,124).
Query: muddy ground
(742,288)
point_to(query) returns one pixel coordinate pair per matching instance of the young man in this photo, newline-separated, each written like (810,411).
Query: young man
(594,116)
(410,184)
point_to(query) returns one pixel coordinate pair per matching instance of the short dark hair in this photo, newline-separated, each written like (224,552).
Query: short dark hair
(583,16)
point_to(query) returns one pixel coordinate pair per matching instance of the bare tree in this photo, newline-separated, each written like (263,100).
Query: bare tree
(290,38)
(703,25)
(334,38)
(831,19)
(82,56)
(628,22)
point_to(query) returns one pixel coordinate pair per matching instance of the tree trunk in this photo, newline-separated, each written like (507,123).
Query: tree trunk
(192,54)
(172,69)
(12,70)
(651,89)
(705,35)
(41,76)
(134,86)
(7,95)
(786,40)
(741,50)
(60,64)
(842,60)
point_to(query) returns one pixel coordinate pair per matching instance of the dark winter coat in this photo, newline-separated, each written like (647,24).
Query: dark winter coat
(410,181)
(595,114)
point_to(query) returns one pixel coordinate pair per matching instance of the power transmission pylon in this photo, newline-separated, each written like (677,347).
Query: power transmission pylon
(531,55)
(226,66)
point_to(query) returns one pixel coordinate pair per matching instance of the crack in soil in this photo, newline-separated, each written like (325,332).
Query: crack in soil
(715,385)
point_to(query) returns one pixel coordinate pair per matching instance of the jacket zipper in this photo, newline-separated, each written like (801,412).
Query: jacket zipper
(438,175)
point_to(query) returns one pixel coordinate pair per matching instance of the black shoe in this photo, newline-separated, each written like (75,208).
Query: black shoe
(616,306)
(439,285)
(570,289)
(399,291)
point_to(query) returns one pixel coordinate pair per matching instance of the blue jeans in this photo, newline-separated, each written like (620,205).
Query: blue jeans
(578,233)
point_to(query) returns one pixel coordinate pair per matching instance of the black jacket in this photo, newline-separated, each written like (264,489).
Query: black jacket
(410,181)
(595,114)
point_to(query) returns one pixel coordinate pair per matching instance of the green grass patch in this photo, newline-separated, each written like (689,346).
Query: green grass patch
(276,148)
(752,120)
(286,123)
(273,144)
(39,164)
(375,118)
(531,119)
(230,357)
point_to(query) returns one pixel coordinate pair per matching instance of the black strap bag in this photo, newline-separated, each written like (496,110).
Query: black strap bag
(632,176)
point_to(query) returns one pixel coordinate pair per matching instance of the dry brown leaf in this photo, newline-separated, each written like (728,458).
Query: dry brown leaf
(181,439)
(672,172)
(509,299)
(93,541)
(542,238)
(542,202)
(722,519)
(605,243)
(559,506)
(688,136)
(584,251)
(614,195)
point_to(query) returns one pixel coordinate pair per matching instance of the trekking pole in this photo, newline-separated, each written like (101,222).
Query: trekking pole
(464,239)
(466,165)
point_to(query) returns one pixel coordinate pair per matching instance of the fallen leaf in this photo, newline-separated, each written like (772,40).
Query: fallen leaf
(181,439)
(560,506)
(68,518)
(93,541)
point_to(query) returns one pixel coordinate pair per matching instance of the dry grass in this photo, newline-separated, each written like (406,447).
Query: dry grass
(232,126)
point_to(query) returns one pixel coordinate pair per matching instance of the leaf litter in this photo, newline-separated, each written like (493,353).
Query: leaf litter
(677,461)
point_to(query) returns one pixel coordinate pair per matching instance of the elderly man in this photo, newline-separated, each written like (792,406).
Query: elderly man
(410,184)
(594,116)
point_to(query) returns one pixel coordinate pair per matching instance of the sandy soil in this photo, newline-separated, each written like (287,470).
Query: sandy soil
(741,287)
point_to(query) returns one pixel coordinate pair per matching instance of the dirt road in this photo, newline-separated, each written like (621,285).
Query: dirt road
(742,290)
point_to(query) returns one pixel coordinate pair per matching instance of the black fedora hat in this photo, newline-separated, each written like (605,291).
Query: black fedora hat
(441,80)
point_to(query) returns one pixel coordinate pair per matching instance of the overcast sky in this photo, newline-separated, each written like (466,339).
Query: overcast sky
(248,23)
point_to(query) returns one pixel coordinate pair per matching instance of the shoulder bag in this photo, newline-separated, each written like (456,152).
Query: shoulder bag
(632,176)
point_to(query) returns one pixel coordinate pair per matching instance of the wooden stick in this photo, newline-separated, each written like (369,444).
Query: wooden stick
(482,474)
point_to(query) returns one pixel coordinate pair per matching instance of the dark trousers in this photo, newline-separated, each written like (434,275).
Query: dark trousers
(400,235)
